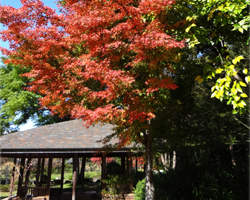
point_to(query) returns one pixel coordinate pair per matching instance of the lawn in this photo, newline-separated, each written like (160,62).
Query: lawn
(4,195)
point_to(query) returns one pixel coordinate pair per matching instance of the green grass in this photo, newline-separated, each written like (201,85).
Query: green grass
(68,176)
(4,195)
(92,174)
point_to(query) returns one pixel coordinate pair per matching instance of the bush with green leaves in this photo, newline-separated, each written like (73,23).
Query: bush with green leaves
(117,186)
(160,190)
(139,191)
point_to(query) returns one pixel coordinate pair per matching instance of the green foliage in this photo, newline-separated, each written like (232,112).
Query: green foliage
(117,186)
(17,104)
(139,191)
(210,30)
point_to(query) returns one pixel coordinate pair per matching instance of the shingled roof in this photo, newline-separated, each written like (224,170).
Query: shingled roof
(69,135)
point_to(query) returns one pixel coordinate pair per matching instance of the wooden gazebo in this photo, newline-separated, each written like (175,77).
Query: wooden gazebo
(63,140)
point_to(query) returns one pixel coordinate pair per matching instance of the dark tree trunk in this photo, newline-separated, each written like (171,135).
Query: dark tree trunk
(149,184)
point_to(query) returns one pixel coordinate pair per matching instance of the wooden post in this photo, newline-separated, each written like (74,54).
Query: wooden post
(129,163)
(12,178)
(77,169)
(83,171)
(20,180)
(49,177)
(104,174)
(38,169)
(129,170)
(74,176)
(62,173)
(28,168)
(42,169)
(136,169)
(123,164)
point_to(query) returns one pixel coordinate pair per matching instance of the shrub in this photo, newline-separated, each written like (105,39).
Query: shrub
(140,190)
(160,188)
(117,186)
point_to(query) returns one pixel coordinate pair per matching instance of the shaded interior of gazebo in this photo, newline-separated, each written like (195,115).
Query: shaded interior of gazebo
(70,139)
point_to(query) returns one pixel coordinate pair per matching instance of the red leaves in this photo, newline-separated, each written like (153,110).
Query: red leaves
(156,84)
(87,61)
(98,160)
(154,6)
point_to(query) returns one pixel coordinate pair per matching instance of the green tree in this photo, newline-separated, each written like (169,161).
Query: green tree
(18,104)
(211,28)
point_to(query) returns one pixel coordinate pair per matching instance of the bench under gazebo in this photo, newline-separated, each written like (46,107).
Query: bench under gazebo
(63,140)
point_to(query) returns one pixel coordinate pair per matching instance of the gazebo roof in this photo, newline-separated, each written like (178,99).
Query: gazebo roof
(70,136)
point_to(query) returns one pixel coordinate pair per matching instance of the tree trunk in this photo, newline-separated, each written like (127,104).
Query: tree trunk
(164,160)
(232,155)
(174,159)
(149,184)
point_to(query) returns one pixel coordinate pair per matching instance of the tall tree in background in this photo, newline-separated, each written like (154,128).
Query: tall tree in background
(101,61)
(211,29)
(17,104)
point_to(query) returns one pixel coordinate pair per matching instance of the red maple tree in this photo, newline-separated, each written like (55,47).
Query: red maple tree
(103,61)
(98,160)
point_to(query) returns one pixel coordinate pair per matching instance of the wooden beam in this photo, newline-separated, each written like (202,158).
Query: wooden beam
(62,173)
(38,170)
(49,177)
(83,171)
(12,178)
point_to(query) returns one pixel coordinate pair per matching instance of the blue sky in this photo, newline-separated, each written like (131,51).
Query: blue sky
(17,4)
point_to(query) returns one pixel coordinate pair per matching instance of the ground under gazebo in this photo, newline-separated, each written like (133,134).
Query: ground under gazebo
(63,140)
